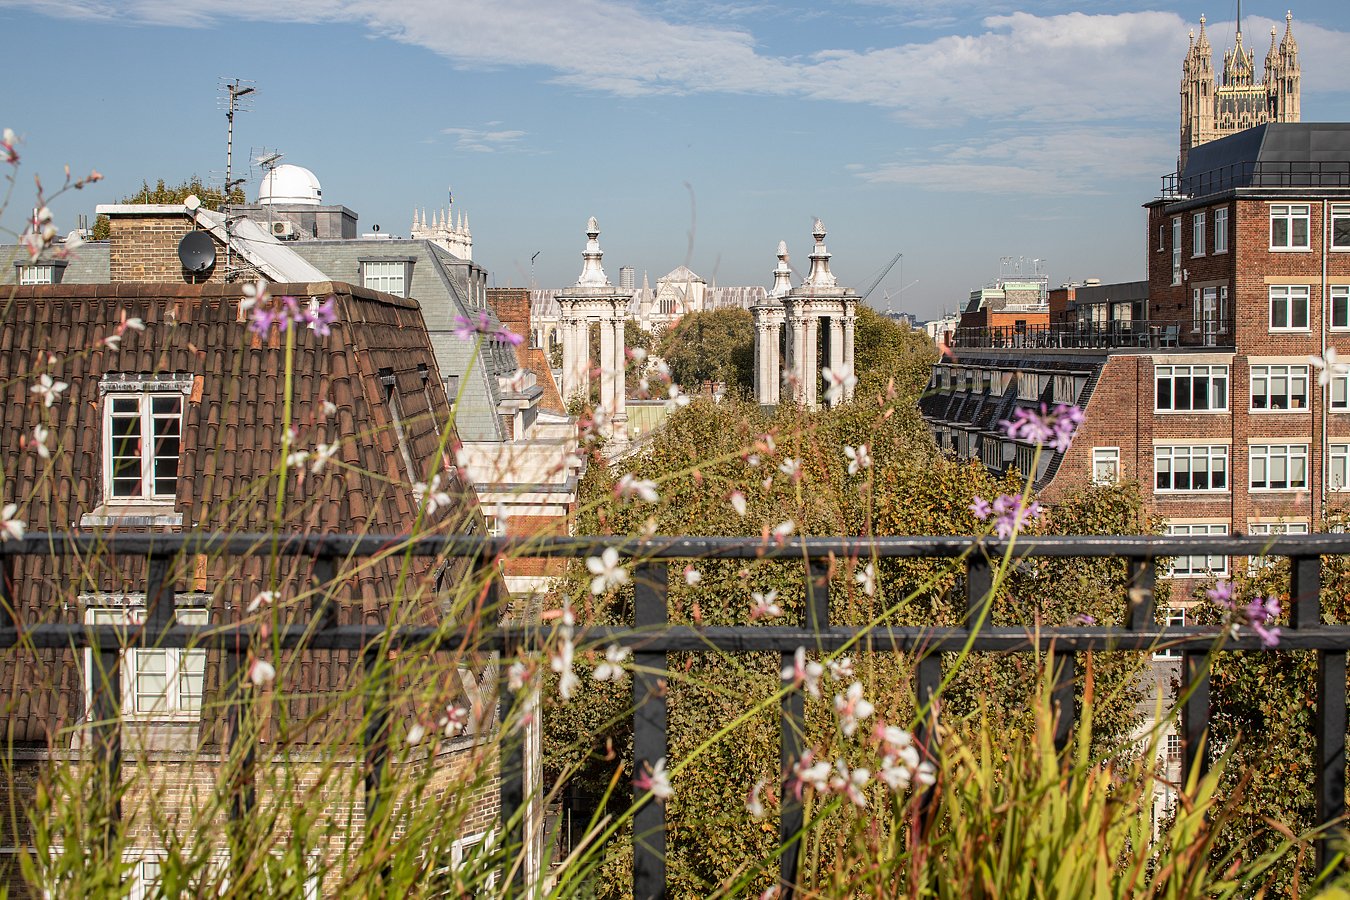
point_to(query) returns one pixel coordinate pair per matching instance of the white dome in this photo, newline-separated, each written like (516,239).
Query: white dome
(292,185)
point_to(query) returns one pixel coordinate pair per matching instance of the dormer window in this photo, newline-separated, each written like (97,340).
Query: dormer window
(142,438)
(390,275)
(46,272)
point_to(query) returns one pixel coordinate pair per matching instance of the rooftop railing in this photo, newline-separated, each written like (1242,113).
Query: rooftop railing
(1254,174)
(1123,334)
(652,638)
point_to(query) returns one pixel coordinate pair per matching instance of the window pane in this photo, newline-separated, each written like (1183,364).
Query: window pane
(1300,231)
(1279,232)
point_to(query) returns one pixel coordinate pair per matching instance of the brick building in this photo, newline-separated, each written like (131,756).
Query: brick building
(1211,403)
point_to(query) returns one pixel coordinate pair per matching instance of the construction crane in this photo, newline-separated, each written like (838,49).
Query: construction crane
(884,272)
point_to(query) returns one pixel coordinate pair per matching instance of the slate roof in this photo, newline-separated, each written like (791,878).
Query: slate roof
(232,442)
(1278,155)
(440,285)
(87,265)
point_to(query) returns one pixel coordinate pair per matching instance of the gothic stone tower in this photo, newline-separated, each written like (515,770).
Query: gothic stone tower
(1210,111)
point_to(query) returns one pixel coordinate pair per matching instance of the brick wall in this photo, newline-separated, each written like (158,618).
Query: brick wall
(145,249)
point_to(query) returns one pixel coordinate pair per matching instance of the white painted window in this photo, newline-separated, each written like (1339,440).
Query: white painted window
(1340,306)
(1289,307)
(1201,564)
(157,683)
(1173,746)
(1190,388)
(1340,392)
(37,274)
(1176,249)
(390,277)
(1198,234)
(1191,467)
(1279,387)
(463,853)
(1279,467)
(142,445)
(1290,225)
(1267,529)
(1176,618)
(1340,226)
(1338,467)
(1105,465)
(1221,230)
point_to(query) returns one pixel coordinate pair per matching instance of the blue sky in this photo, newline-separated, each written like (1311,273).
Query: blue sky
(697,132)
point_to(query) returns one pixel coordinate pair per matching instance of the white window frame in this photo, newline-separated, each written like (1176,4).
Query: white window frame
(1176,250)
(389,276)
(1221,230)
(1196,565)
(1265,380)
(1105,457)
(1172,746)
(1213,375)
(144,394)
(1198,234)
(1340,216)
(1166,458)
(1290,295)
(1338,466)
(184,669)
(1269,529)
(1339,399)
(459,846)
(1290,214)
(1176,618)
(37,273)
(1338,309)
(1290,456)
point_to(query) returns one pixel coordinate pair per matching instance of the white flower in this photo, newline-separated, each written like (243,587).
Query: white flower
(518,381)
(851,707)
(676,399)
(894,775)
(838,383)
(858,458)
(629,486)
(432,493)
(791,468)
(804,674)
(1329,365)
(296,459)
(850,783)
(133,324)
(867,579)
(40,435)
(765,606)
(560,661)
(612,668)
(926,774)
(692,576)
(738,503)
(49,389)
(322,454)
(253,295)
(815,775)
(753,804)
(329,409)
(261,673)
(783,530)
(10,527)
(897,739)
(416,732)
(638,354)
(607,571)
(113,341)
(657,782)
(842,669)
(266,598)
(516,674)
(455,720)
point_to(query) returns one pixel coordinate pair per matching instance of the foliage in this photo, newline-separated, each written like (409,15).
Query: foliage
(211,197)
(884,349)
(711,346)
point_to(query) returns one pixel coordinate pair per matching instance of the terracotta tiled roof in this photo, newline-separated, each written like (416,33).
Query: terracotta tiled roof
(232,443)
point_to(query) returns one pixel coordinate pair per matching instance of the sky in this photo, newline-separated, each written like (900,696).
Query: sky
(697,132)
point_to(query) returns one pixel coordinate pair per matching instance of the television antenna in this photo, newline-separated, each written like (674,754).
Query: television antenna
(235,96)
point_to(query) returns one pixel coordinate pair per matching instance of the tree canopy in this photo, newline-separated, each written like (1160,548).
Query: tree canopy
(212,198)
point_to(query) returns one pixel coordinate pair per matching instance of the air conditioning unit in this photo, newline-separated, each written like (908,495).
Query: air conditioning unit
(285,231)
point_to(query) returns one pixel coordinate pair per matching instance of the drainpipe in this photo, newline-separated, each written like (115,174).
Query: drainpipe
(1326,391)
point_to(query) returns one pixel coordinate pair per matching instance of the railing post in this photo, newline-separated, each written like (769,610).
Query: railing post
(1194,712)
(649,731)
(1063,674)
(107,733)
(511,756)
(979,586)
(1305,611)
(1140,612)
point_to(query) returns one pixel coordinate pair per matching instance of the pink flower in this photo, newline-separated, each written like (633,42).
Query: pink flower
(612,669)
(655,781)
(803,674)
(764,606)
(851,707)
(858,458)
(455,721)
(643,489)
(7,141)
(468,329)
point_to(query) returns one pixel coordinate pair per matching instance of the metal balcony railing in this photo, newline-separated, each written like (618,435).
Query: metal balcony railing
(652,638)
(1123,334)
(1257,174)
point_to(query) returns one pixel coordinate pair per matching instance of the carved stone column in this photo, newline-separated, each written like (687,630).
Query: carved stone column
(836,344)
(810,372)
(850,327)
(775,384)
(619,388)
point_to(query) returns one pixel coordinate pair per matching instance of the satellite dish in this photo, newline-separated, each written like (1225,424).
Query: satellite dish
(376,229)
(192,203)
(197,251)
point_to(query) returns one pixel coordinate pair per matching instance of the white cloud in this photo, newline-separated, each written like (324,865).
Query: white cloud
(485,140)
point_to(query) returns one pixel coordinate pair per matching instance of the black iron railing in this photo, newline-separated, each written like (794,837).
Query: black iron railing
(1124,334)
(1257,174)
(652,638)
